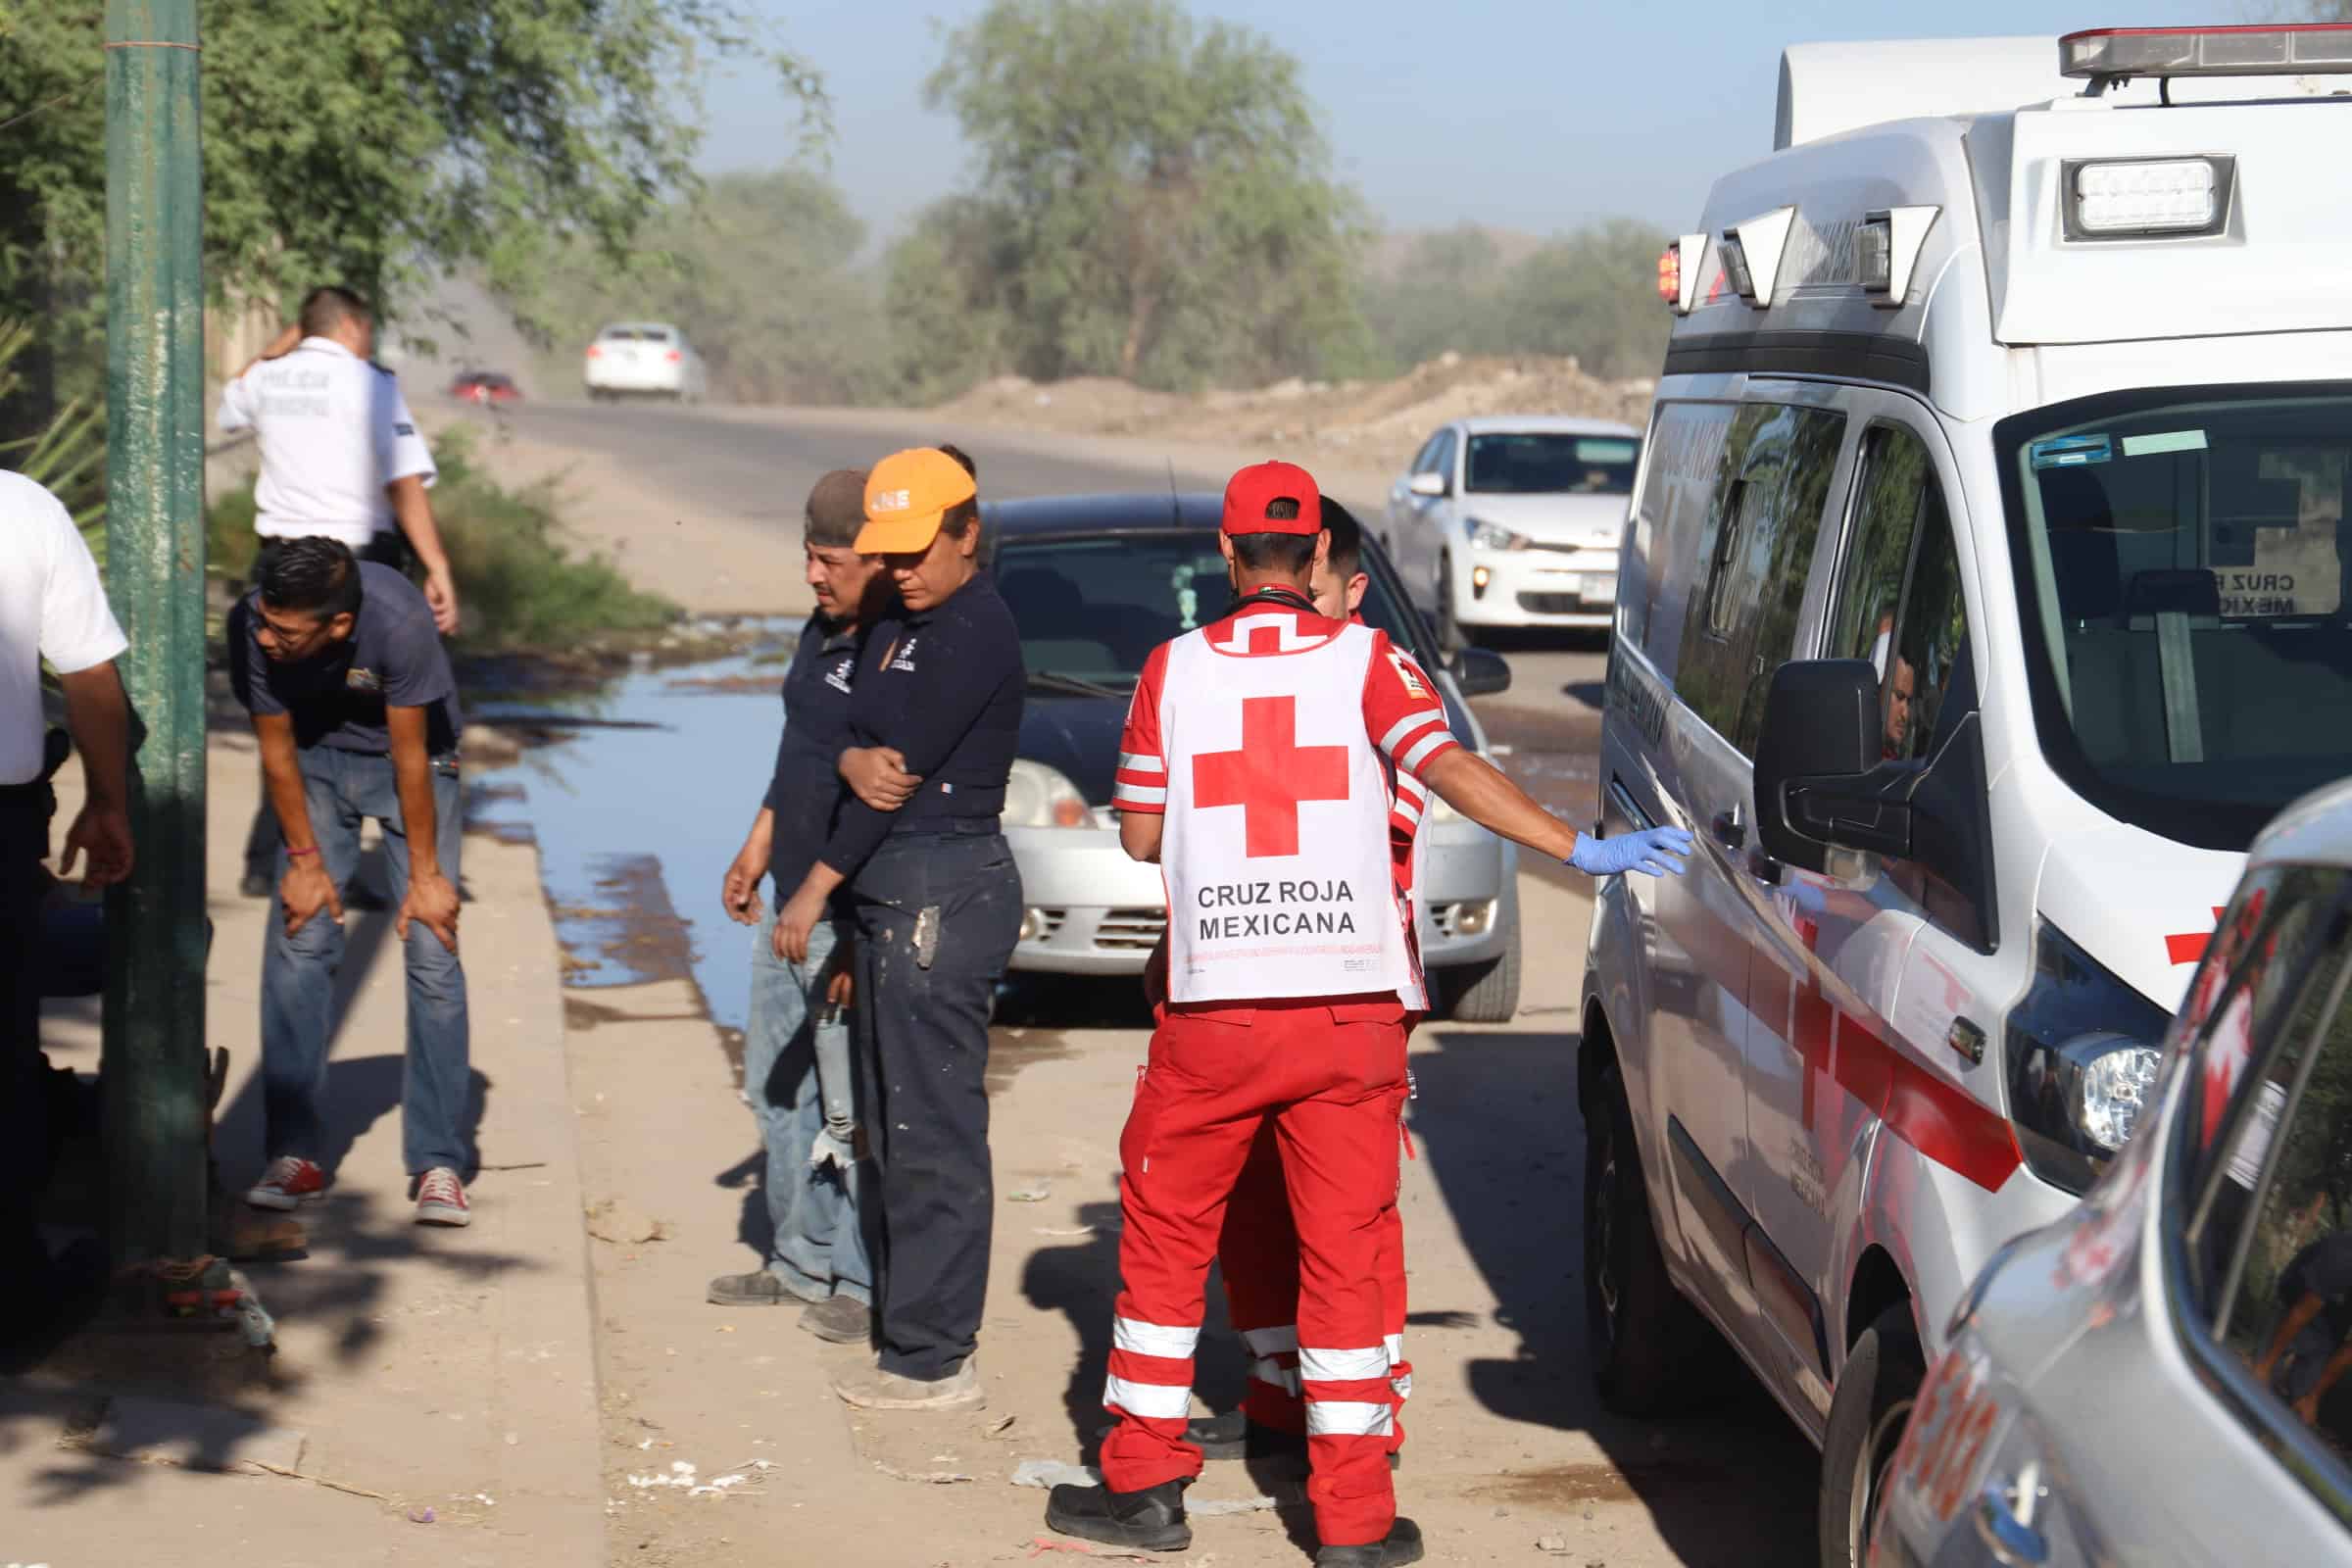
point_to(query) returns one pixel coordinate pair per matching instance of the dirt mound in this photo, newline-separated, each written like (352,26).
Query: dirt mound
(1378,424)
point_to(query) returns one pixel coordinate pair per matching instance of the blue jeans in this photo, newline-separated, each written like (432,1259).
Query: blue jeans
(343,790)
(791,1059)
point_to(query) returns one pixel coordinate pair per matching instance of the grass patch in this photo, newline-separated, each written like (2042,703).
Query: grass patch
(519,586)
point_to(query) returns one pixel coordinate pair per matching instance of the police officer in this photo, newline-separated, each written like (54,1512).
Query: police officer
(340,458)
(1254,768)
(937,708)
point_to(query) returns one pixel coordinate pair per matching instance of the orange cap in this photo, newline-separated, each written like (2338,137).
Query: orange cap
(907,494)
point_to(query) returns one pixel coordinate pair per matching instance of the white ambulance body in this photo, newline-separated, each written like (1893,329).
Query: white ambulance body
(1983,593)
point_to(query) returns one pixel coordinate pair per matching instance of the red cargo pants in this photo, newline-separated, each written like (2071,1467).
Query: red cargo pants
(1330,1079)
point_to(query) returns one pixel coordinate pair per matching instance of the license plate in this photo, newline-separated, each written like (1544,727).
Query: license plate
(1596,589)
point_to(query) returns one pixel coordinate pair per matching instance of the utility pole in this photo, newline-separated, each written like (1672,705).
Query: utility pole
(154,1066)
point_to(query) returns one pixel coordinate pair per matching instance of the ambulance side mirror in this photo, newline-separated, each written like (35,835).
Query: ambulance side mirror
(1481,672)
(1818,780)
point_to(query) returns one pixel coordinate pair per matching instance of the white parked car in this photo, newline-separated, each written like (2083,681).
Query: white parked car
(2158,1377)
(643,359)
(1513,521)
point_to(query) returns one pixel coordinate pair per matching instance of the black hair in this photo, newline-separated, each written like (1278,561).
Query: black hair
(958,519)
(1288,555)
(1347,554)
(328,307)
(314,576)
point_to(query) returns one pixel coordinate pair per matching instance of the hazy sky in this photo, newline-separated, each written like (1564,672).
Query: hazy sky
(1534,114)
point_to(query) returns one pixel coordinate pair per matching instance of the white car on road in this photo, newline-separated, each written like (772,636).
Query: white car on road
(643,359)
(1514,521)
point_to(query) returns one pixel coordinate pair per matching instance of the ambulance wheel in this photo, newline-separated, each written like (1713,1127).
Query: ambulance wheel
(1648,1348)
(1876,1390)
(1488,992)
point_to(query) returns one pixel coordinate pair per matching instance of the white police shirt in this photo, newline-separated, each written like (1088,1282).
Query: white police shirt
(52,607)
(334,430)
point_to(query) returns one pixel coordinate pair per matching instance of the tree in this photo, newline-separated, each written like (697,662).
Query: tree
(1593,295)
(759,269)
(1162,200)
(368,140)
(1444,294)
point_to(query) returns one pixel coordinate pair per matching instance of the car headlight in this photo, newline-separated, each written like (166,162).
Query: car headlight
(2082,1052)
(1039,795)
(1492,536)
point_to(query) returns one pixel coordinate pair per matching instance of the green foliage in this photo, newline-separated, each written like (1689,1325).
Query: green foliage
(1590,294)
(67,454)
(519,583)
(364,140)
(1153,201)
(759,271)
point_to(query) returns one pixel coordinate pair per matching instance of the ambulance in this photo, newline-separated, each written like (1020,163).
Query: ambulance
(1987,589)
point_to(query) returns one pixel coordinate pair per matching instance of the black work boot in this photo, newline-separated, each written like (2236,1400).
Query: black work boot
(1151,1519)
(1234,1435)
(1404,1546)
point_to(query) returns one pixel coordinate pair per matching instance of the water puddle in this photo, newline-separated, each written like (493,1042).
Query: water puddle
(638,795)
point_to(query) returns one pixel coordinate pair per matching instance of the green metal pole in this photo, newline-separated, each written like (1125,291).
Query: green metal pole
(154,1066)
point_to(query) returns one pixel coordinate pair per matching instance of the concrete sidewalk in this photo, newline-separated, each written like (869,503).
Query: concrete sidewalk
(417,1369)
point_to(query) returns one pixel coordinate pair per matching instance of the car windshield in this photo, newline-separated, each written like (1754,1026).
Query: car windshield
(1527,463)
(1091,607)
(2181,563)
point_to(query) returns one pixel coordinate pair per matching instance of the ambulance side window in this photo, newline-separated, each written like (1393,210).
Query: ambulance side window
(1769,494)
(1898,598)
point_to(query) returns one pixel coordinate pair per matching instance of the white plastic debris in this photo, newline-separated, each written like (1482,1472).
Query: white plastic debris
(1055,1473)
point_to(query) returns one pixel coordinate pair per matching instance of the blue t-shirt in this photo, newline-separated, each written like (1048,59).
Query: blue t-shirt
(392,658)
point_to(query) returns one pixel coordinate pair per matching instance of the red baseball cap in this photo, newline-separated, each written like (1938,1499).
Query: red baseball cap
(1251,491)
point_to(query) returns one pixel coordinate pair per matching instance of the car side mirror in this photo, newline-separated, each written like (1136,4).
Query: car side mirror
(1427,484)
(1818,779)
(1481,672)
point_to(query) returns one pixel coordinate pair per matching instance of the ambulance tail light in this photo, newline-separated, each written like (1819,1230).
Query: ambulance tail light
(2148,197)
(2081,1058)
(2117,54)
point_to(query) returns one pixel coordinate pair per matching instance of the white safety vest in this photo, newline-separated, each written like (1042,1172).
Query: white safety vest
(1275,845)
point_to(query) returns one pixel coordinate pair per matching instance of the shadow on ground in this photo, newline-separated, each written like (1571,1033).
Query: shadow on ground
(1734,1481)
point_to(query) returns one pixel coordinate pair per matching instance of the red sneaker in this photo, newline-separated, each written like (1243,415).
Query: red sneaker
(288,1183)
(441,1199)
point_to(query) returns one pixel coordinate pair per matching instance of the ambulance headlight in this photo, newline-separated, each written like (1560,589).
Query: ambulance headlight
(2127,198)
(1037,796)
(1492,536)
(2081,1058)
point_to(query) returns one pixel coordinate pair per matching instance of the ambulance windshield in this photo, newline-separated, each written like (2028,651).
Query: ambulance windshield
(2181,568)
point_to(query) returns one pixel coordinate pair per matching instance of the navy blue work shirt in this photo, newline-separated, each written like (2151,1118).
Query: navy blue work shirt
(944,688)
(807,787)
(392,658)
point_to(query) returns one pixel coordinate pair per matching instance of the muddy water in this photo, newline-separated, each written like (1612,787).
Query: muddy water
(638,796)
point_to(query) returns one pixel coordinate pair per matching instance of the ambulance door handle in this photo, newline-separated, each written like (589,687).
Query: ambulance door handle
(1763,868)
(1729,831)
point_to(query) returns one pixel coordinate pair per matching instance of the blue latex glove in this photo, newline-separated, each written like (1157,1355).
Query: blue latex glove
(1657,851)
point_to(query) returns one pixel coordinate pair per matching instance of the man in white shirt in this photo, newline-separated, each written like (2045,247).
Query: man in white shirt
(340,458)
(52,607)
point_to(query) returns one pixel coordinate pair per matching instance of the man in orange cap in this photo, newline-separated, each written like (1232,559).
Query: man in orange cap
(935,718)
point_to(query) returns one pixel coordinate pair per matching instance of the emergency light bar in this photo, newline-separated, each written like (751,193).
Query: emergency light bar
(2113,54)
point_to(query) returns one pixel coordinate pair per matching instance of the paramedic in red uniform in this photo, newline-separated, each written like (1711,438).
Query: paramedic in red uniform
(1254,769)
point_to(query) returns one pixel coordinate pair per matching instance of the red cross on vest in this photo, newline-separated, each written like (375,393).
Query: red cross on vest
(1270,776)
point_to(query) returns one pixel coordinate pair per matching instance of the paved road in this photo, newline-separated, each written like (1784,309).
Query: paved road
(749,468)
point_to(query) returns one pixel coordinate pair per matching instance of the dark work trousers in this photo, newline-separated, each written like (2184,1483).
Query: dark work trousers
(389,548)
(938,915)
(25,1092)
